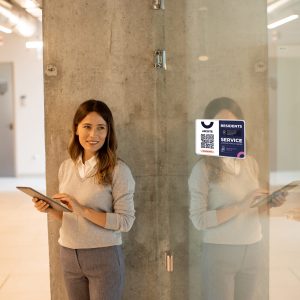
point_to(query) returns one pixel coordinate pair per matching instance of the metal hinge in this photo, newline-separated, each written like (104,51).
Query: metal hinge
(160,59)
(158,4)
(169,261)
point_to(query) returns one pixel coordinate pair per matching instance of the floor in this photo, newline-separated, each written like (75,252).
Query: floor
(285,244)
(24,272)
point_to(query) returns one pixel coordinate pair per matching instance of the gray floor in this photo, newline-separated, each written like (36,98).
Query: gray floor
(24,272)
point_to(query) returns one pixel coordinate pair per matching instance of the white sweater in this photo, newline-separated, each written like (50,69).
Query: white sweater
(116,200)
(206,197)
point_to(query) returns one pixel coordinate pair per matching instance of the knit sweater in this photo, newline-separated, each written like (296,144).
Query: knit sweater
(206,197)
(116,200)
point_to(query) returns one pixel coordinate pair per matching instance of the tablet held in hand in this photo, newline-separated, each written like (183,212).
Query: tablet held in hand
(52,202)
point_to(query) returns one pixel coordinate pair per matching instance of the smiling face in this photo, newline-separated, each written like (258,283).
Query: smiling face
(92,132)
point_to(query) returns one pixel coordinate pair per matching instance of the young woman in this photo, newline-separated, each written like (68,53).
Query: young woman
(98,188)
(221,190)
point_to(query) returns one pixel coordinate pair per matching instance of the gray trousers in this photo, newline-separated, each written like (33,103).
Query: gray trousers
(93,274)
(230,272)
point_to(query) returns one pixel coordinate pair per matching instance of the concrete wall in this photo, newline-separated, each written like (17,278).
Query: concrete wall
(28,104)
(104,49)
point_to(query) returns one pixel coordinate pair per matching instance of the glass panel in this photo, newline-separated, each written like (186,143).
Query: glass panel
(284,92)
(216,49)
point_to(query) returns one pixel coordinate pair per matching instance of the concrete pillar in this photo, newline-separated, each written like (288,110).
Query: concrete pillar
(104,49)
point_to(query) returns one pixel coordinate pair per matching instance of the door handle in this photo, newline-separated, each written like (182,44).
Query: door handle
(169,261)
(11,126)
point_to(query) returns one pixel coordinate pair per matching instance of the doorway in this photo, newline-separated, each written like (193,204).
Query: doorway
(7,153)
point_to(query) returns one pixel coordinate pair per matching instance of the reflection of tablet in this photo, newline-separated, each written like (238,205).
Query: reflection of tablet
(264,200)
(52,202)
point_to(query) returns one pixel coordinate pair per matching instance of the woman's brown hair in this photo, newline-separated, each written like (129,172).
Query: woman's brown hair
(106,155)
(214,164)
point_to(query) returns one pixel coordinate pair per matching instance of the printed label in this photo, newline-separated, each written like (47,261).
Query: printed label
(220,138)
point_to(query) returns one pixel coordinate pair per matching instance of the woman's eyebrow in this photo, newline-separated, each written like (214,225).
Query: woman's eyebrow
(100,124)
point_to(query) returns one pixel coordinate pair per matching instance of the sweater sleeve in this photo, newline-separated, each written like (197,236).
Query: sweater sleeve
(200,216)
(123,215)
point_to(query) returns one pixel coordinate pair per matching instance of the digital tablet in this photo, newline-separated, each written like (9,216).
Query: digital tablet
(52,202)
(264,200)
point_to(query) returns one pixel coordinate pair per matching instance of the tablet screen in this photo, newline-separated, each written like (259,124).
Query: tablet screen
(52,202)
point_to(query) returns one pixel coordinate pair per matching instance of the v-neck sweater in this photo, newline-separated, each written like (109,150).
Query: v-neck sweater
(116,200)
(206,197)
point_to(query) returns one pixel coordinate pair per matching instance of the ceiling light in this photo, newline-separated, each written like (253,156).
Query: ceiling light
(9,15)
(5,29)
(19,20)
(283,21)
(36,12)
(29,4)
(276,5)
(25,28)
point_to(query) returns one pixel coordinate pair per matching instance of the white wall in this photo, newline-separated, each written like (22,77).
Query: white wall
(288,108)
(29,112)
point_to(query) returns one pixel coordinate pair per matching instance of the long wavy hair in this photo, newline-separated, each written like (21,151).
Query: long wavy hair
(106,155)
(215,165)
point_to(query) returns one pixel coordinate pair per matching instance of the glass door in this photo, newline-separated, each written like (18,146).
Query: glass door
(284,107)
(220,245)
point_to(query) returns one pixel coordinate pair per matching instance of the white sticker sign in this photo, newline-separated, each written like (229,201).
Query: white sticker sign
(220,138)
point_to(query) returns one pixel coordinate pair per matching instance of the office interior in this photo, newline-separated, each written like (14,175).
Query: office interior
(157,64)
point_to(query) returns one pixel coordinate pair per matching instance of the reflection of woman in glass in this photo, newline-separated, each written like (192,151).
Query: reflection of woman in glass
(221,191)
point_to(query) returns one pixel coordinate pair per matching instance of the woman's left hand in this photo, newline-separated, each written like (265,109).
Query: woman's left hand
(278,199)
(71,202)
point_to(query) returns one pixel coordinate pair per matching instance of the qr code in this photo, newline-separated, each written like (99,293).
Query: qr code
(207,141)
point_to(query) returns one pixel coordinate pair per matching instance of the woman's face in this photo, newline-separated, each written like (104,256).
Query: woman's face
(92,132)
(225,114)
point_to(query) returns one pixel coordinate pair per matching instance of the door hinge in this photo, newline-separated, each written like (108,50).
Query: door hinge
(160,59)
(158,4)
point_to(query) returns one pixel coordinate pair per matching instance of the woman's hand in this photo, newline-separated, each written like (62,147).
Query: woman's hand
(41,205)
(255,195)
(44,207)
(71,203)
(229,212)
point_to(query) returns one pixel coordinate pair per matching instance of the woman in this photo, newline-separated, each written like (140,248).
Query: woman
(221,190)
(98,188)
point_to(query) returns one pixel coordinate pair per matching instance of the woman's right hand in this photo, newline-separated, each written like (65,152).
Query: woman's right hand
(41,205)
